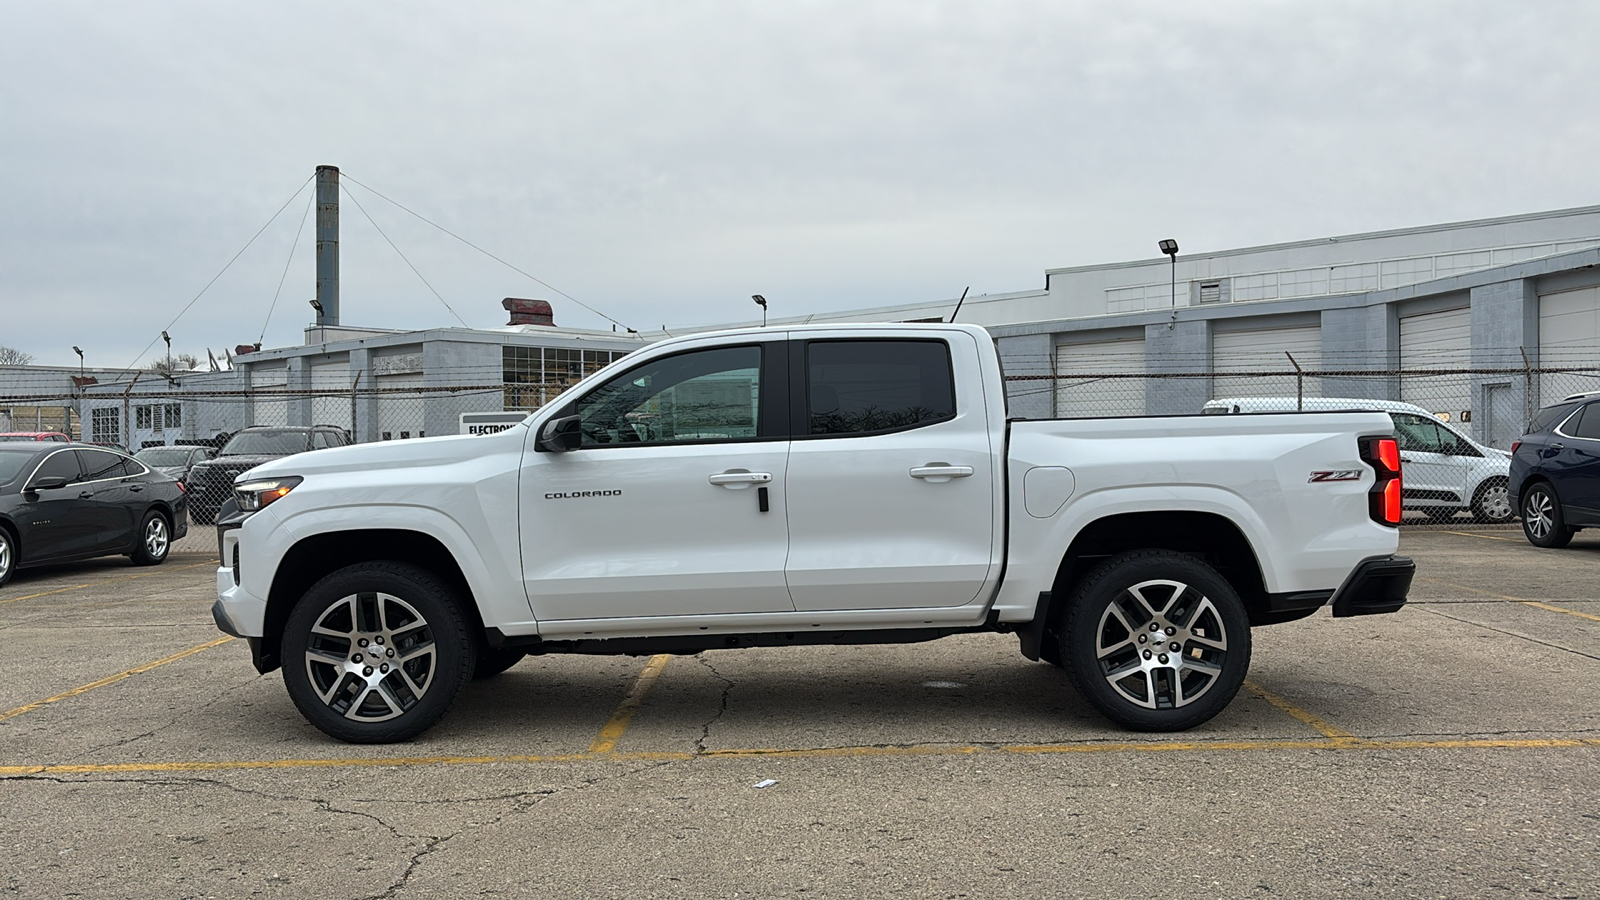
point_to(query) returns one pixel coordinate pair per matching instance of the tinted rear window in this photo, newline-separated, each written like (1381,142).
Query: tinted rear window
(1546,418)
(861,387)
(267,443)
(1585,424)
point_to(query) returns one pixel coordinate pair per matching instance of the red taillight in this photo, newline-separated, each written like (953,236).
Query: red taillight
(1383,454)
(183,487)
(1391,501)
(1389,454)
(1515,445)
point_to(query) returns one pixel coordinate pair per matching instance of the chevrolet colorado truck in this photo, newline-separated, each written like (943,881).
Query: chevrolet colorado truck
(807,485)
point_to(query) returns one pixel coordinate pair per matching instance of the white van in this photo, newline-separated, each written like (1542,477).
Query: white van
(1445,472)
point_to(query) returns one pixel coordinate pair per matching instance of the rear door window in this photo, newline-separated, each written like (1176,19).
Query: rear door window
(62,464)
(858,387)
(1586,424)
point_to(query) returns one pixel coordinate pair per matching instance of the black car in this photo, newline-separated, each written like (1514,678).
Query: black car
(211,481)
(62,502)
(1555,471)
(176,460)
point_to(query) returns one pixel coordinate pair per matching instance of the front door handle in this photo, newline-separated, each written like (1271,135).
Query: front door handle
(740,479)
(84,495)
(941,471)
(136,488)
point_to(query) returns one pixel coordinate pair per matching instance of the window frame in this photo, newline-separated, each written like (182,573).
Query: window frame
(800,387)
(772,412)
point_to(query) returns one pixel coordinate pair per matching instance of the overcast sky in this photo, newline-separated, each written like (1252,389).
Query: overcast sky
(662,162)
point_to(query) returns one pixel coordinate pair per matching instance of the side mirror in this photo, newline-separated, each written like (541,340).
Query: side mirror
(48,483)
(561,435)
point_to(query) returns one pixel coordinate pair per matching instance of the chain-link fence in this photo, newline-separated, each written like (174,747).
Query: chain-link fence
(1490,405)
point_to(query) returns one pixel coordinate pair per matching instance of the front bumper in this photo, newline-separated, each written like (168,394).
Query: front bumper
(1378,585)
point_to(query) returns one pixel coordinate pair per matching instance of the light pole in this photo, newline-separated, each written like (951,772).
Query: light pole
(761,302)
(1170,248)
(164,337)
(80,359)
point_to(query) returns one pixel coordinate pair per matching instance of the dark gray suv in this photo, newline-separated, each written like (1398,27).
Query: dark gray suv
(211,481)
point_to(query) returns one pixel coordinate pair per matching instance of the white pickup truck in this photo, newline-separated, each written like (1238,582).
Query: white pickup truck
(816,485)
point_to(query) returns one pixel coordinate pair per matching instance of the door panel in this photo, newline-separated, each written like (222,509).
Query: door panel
(674,503)
(902,518)
(55,522)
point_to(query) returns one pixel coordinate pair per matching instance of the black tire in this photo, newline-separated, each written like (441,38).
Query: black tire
(494,660)
(1491,502)
(153,541)
(1542,522)
(399,616)
(1111,628)
(8,556)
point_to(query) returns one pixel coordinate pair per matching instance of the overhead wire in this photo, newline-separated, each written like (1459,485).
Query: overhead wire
(235,258)
(292,247)
(403,256)
(345,176)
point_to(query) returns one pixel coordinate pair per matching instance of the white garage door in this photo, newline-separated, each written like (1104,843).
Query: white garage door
(1240,357)
(331,409)
(400,412)
(270,406)
(1569,336)
(1441,340)
(1087,392)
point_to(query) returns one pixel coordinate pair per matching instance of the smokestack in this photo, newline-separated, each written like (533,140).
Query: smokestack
(529,312)
(327,245)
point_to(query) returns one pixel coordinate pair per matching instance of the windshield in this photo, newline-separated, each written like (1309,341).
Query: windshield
(164,456)
(11,464)
(266,443)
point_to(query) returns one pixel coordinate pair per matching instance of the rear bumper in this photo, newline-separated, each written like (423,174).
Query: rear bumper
(1378,585)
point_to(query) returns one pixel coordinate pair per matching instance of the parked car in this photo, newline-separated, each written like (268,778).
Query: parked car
(853,484)
(1447,472)
(1555,471)
(174,461)
(211,480)
(67,502)
(34,436)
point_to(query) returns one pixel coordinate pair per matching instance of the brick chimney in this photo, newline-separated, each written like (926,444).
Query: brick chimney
(529,312)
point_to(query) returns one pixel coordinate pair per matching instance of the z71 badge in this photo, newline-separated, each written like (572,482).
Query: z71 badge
(1341,475)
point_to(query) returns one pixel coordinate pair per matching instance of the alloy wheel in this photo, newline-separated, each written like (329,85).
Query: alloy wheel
(371,657)
(1161,644)
(1538,514)
(156,538)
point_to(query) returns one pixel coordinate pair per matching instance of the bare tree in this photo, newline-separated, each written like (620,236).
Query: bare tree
(183,362)
(11,356)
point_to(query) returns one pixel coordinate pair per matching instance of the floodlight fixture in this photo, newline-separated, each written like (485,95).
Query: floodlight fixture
(761,302)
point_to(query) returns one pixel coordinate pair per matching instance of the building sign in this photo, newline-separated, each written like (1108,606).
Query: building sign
(404,364)
(489,422)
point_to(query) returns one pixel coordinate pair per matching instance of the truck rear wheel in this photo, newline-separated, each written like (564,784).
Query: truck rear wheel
(376,652)
(1156,640)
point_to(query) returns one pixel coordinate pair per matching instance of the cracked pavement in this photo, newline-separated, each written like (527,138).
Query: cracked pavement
(952,768)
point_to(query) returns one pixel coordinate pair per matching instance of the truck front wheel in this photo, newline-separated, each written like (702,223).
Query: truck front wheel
(376,652)
(1156,640)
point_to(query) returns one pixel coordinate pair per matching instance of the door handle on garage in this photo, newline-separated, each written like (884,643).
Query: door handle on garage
(741,478)
(941,470)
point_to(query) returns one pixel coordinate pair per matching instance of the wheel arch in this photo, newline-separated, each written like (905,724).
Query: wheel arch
(312,558)
(1210,537)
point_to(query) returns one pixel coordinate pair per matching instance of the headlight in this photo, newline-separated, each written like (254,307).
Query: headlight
(258,492)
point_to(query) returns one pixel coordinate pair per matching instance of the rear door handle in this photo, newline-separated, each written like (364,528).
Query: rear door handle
(136,488)
(941,471)
(740,479)
(84,495)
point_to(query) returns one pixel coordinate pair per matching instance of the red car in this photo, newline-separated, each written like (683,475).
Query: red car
(33,436)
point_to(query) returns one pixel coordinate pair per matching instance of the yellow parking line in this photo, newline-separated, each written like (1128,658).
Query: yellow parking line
(79,587)
(1323,727)
(606,740)
(1340,745)
(1536,604)
(1487,537)
(112,679)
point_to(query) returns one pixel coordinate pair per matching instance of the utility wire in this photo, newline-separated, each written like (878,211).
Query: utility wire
(347,177)
(292,247)
(403,256)
(225,268)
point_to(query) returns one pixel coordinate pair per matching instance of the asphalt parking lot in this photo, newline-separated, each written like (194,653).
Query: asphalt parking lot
(1449,750)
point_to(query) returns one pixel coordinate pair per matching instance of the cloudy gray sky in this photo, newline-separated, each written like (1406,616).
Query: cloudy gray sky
(663,161)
